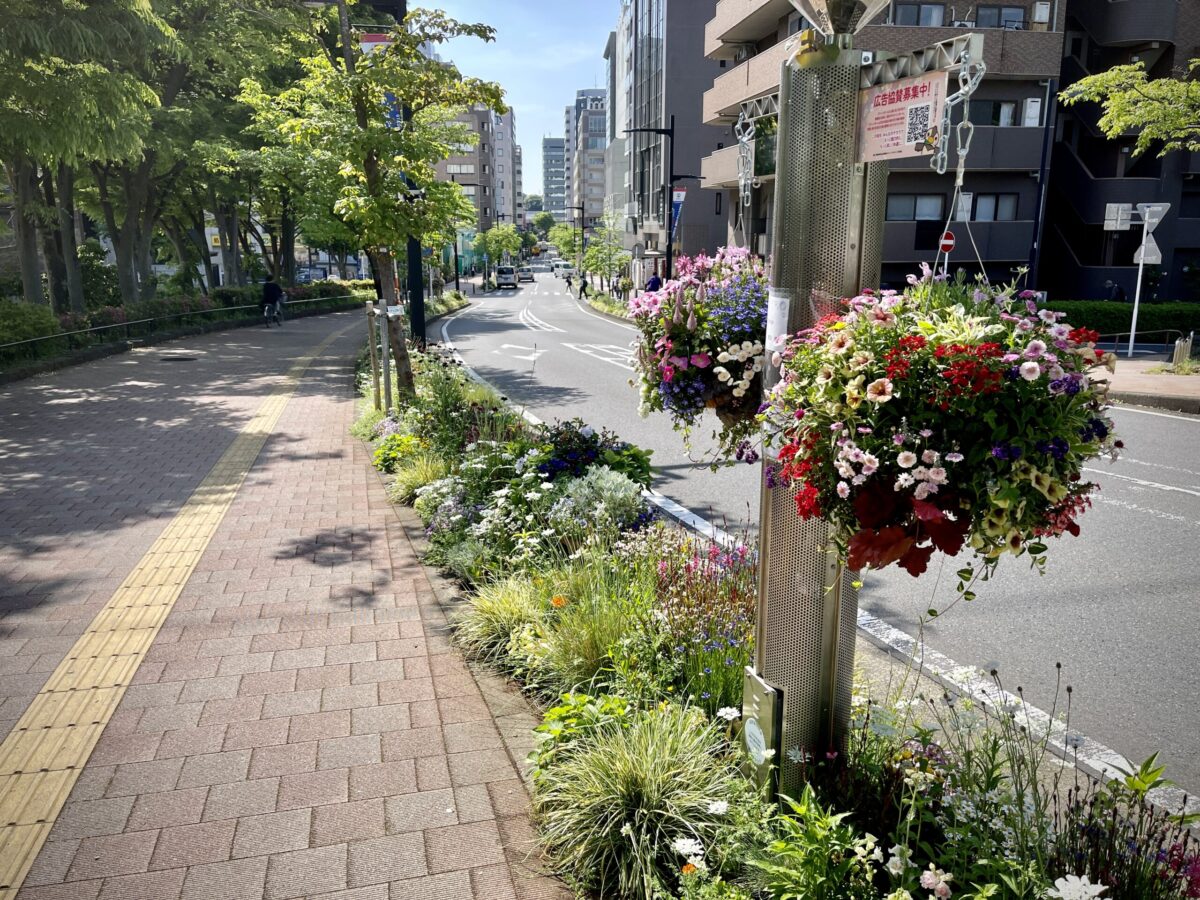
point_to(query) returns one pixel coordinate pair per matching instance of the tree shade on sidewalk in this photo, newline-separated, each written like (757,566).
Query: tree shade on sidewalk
(300,724)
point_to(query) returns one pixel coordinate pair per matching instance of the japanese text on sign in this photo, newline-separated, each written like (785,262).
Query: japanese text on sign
(902,118)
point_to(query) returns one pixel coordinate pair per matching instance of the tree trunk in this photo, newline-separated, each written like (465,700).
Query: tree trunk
(70,245)
(287,240)
(20,174)
(339,259)
(381,261)
(52,249)
(121,237)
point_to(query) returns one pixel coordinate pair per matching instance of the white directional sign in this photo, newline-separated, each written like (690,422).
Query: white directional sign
(1118,216)
(1148,253)
(1152,214)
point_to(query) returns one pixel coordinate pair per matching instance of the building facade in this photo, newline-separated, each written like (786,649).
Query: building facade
(475,167)
(554,174)
(587,175)
(1003,195)
(660,65)
(571,115)
(508,189)
(519,178)
(1090,171)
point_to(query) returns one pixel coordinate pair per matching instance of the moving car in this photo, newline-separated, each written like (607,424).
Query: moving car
(565,271)
(506,276)
(525,273)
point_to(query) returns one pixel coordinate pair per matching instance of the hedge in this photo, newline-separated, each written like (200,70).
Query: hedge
(1113,317)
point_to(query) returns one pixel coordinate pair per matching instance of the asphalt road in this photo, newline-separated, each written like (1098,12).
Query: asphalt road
(1119,606)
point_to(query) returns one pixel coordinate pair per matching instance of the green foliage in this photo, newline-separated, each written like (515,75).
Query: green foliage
(567,239)
(100,286)
(497,610)
(1165,112)
(577,719)
(496,241)
(22,321)
(394,451)
(542,223)
(414,473)
(617,812)
(364,426)
(816,856)
(1109,317)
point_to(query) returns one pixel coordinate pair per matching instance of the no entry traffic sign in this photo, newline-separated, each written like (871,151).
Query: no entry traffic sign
(947,242)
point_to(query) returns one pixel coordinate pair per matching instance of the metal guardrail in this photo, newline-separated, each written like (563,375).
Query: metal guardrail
(138,328)
(1115,342)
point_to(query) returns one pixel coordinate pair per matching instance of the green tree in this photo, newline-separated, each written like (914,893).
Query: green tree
(606,255)
(496,241)
(542,223)
(67,100)
(533,203)
(1163,111)
(342,112)
(566,238)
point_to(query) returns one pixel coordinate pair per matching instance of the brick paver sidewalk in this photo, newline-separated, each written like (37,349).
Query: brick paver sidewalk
(301,726)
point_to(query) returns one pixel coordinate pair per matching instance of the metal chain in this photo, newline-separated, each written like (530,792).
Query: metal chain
(970,74)
(744,132)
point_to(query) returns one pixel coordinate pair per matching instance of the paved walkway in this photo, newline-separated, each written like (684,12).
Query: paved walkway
(281,713)
(1133,384)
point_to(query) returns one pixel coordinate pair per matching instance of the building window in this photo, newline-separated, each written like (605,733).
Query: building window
(995,207)
(500,167)
(487,170)
(720,195)
(460,169)
(499,151)
(929,14)
(915,207)
(994,112)
(1000,17)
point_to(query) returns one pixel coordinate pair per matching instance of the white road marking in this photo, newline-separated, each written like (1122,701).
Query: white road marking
(1143,483)
(584,308)
(609,353)
(1133,507)
(1138,462)
(1146,412)
(533,323)
(533,351)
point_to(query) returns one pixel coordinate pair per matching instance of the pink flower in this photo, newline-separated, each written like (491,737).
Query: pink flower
(843,490)
(679,362)
(954,457)
(701,360)
(879,391)
(1035,349)
(668,373)
(929,457)
(906,460)
(1030,371)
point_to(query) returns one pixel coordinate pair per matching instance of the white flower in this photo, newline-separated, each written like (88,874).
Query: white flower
(937,475)
(768,754)
(825,374)
(1030,370)
(587,431)
(729,713)
(841,342)
(879,390)
(907,459)
(722,373)
(686,846)
(627,830)
(930,457)
(904,480)
(869,464)
(718,807)
(898,861)
(843,490)
(1072,887)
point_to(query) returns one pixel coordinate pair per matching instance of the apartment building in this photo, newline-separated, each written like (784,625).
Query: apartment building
(475,167)
(571,115)
(660,63)
(587,175)
(618,71)
(1012,111)
(519,178)
(1090,171)
(505,154)
(554,184)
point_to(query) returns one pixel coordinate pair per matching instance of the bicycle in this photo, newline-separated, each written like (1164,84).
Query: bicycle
(273,311)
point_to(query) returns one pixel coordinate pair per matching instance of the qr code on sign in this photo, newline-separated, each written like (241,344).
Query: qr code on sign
(918,124)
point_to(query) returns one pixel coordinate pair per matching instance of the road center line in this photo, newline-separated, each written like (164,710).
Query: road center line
(46,751)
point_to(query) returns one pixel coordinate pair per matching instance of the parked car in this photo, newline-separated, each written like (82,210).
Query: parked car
(525,273)
(506,276)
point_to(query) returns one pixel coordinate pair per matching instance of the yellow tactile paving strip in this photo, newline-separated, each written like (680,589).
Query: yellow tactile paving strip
(46,750)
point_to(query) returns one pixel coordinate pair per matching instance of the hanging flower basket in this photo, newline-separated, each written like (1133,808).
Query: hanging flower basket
(701,345)
(952,416)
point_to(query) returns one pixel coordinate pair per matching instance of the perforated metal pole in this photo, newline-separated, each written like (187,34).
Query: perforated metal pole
(828,235)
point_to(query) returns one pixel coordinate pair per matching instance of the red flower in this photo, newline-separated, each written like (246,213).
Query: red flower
(1083,335)
(808,502)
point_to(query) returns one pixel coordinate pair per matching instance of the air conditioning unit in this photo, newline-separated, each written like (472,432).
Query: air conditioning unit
(963,23)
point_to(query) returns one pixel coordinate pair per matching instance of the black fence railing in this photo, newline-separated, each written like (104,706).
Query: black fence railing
(66,342)
(1161,341)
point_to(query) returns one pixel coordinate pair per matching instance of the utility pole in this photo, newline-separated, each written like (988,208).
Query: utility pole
(386,282)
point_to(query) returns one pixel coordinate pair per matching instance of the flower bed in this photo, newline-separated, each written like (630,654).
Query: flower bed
(701,344)
(635,635)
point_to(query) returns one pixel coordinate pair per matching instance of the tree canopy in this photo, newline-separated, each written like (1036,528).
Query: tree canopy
(1164,112)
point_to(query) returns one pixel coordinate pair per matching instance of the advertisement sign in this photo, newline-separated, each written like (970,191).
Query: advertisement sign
(902,118)
(678,195)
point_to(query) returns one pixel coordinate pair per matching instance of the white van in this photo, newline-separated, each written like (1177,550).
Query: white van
(506,276)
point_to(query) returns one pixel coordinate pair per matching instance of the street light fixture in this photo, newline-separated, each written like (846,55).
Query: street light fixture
(669,134)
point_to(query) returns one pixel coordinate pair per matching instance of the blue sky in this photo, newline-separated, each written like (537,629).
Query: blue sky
(544,51)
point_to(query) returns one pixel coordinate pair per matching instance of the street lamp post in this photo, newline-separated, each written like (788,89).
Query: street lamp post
(669,134)
(579,241)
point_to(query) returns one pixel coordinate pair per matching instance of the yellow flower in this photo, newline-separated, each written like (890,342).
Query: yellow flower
(558,601)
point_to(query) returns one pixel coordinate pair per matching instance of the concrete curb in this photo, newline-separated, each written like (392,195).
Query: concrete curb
(1158,401)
